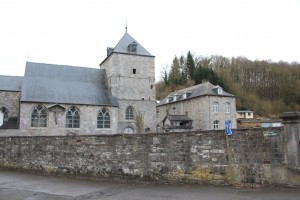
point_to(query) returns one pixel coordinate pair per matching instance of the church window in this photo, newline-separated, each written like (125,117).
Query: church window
(134,71)
(216,124)
(129,113)
(39,116)
(5,114)
(72,118)
(103,119)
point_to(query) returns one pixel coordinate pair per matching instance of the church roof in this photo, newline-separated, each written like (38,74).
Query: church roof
(127,39)
(11,83)
(204,89)
(49,83)
(123,47)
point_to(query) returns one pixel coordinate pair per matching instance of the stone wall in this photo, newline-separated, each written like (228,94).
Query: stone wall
(255,156)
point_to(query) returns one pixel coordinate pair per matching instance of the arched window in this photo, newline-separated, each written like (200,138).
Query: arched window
(227,107)
(216,124)
(72,117)
(215,107)
(39,116)
(129,130)
(103,119)
(129,113)
(5,114)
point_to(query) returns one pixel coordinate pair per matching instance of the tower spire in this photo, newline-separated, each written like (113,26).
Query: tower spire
(126,25)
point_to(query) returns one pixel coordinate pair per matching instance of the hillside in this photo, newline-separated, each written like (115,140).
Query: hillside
(268,88)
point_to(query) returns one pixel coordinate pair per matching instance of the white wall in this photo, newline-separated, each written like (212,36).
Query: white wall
(1,118)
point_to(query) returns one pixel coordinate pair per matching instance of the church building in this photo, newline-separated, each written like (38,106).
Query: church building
(56,99)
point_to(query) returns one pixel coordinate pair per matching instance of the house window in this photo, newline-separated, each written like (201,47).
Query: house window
(216,124)
(39,116)
(134,71)
(227,107)
(215,107)
(129,113)
(103,119)
(72,118)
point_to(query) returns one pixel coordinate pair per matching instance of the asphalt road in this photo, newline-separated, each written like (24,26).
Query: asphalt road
(24,186)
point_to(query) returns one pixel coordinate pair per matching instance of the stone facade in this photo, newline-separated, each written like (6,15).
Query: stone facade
(131,79)
(199,109)
(249,156)
(129,74)
(88,121)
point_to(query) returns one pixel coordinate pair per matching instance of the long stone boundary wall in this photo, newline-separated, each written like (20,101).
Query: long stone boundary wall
(255,156)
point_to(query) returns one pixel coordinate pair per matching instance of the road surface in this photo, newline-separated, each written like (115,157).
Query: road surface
(25,186)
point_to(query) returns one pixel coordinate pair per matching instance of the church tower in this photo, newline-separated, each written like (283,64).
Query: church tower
(130,72)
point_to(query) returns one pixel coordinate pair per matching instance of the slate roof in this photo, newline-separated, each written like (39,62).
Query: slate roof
(204,89)
(51,83)
(178,118)
(122,47)
(11,83)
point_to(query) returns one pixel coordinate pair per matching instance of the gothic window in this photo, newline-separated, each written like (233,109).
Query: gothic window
(215,107)
(72,118)
(5,114)
(216,124)
(227,107)
(103,119)
(39,116)
(129,113)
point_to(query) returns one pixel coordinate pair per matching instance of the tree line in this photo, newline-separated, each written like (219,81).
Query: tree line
(266,87)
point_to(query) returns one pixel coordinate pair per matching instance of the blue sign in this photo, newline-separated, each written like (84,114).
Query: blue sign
(227,128)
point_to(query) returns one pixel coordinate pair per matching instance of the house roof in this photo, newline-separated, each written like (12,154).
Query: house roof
(178,118)
(51,83)
(204,89)
(122,47)
(11,83)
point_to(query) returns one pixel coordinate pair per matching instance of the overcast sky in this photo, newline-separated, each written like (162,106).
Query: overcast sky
(77,32)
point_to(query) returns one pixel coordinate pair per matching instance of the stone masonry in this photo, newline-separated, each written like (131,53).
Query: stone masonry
(249,156)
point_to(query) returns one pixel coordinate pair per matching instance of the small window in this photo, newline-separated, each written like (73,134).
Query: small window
(103,119)
(72,118)
(39,116)
(134,71)
(129,113)
(147,130)
(215,107)
(216,124)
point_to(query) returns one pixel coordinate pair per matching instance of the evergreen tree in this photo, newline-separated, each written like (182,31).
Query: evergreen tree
(190,66)
(174,77)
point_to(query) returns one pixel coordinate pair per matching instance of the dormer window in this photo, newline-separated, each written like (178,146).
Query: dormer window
(186,95)
(218,89)
(132,47)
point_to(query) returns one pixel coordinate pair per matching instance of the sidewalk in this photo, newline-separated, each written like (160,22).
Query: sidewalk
(24,186)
